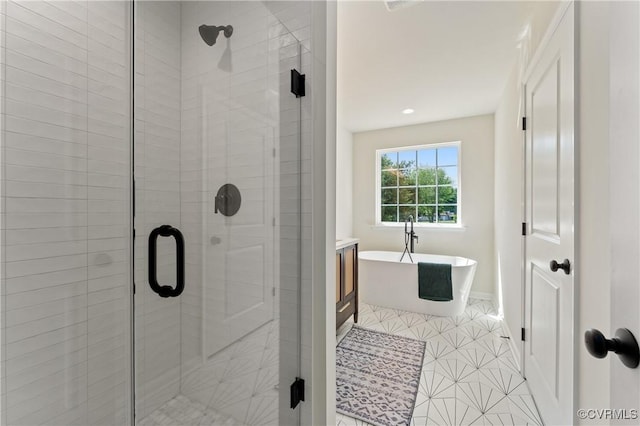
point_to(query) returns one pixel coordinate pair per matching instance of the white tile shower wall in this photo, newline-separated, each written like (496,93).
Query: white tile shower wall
(157,173)
(3,382)
(65,209)
(295,16)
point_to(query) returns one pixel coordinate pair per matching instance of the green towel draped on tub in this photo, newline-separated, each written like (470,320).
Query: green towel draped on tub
(434,281)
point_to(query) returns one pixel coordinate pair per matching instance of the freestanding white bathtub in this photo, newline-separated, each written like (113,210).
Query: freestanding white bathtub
(384,281)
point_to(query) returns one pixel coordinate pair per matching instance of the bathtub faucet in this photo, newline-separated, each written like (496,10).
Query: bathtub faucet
(412,235)
(409,238)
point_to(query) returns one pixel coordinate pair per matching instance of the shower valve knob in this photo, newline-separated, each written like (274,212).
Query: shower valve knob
(227,201)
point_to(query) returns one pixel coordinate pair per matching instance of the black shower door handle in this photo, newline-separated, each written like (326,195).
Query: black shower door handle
(166,290)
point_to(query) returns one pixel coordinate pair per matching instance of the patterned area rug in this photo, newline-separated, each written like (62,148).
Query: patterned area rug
(377,376)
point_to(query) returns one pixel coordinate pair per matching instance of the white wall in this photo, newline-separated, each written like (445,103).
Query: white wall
(65,213)
(319,332)
(344,183)
(509,181)
(624,192)
(475,238)
(508,207)
(594,241)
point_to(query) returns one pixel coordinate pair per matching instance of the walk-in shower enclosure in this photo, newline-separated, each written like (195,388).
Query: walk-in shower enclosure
(152,206)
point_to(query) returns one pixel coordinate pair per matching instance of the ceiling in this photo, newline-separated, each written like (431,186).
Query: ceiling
(445,59)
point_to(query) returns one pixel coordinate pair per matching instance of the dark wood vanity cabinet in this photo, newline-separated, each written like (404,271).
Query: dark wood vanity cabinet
(346,284)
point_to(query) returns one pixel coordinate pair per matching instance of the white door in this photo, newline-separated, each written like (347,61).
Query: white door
(624,194)
(549,296)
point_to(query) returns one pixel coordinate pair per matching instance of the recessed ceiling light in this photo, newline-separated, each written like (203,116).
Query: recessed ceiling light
(407,111)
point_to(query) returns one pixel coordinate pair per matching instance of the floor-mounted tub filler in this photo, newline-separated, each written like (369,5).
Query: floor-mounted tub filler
(386,281)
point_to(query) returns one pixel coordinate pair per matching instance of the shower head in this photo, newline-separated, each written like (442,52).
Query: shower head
(209,33)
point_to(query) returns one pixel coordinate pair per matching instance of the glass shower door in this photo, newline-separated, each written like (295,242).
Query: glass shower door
(217,175)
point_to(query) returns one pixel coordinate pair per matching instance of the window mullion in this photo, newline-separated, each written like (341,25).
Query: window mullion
(415,209)
(397,187)
(436,200)
(437,190)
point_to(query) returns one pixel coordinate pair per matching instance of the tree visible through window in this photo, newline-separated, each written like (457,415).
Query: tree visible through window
(421,182)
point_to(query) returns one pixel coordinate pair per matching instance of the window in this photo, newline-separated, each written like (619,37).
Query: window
(421,181)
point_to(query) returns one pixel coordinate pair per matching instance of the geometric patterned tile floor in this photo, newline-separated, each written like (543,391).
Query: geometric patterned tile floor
(241,381)
(469,376)
(184,412)
(236,386)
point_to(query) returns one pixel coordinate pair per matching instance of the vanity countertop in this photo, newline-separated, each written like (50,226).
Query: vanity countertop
(346,242)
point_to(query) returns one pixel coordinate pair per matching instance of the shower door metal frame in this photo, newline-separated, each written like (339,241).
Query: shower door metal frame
(132,209)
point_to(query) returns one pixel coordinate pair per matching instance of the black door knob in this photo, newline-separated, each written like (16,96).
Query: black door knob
(565,266)
(623,344)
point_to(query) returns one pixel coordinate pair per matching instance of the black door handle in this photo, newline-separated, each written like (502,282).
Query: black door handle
(623,344)
(565,266)
(166,290)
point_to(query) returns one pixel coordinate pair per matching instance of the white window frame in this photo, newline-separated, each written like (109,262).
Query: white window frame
(378,179)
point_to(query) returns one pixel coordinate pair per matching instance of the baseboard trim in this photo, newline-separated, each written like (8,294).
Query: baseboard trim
(515,350)
(481,295)
(513,343)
